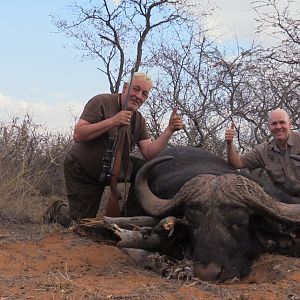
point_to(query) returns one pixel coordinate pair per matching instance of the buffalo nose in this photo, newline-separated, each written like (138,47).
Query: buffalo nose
(209,272)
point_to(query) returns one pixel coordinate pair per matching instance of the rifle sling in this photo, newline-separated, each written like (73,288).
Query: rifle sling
(115,135)
(122,159)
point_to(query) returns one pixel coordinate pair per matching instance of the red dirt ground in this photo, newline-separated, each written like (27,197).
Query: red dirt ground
(59,264)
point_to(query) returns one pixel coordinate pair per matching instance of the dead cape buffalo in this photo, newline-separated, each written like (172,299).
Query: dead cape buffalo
(229,218)
(223,219)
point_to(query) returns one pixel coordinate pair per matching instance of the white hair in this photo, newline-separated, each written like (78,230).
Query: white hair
(145,76)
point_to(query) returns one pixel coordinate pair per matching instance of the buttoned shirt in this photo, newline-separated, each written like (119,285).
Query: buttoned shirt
(283,170)
(90,154)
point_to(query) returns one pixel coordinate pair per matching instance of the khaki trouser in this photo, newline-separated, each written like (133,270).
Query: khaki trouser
(84,193)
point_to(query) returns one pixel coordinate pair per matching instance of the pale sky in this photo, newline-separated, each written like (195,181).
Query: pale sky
(41,74)
(233,18)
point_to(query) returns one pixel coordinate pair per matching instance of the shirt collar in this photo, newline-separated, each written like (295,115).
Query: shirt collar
(273,145)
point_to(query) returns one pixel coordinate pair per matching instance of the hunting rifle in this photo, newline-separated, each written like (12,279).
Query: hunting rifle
(119,146)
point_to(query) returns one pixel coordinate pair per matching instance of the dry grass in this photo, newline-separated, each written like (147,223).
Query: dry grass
(31,162)
(31,177)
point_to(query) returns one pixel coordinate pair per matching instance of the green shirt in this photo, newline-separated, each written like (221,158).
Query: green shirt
(283,170)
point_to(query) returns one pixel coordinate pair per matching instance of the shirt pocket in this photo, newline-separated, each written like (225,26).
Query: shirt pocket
(276,172)
(297,169)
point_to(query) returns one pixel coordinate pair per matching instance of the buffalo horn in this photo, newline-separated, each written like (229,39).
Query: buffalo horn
(151,204)
(252,195)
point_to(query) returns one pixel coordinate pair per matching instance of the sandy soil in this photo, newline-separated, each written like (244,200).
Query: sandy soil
(53,263)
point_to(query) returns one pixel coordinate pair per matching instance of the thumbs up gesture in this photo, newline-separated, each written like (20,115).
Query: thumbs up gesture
(175,122)
(229,134)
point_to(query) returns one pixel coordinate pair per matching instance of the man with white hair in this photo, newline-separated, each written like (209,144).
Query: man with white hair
(273,156)
(100,120)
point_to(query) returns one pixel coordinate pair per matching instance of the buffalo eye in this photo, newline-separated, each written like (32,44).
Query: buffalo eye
(239,227)
(237,219)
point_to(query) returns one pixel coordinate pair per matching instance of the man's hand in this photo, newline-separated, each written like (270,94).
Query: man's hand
(175,122)
(229,134)
(122,118)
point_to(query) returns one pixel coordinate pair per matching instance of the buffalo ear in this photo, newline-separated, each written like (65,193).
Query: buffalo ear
(275,241)
(278,238)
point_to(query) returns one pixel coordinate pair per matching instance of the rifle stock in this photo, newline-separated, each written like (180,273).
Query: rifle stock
(113,206)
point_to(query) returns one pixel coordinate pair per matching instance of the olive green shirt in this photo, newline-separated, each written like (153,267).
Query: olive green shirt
(283,170)
(90,154)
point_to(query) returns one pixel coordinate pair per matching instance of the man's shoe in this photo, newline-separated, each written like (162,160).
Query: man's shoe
(52,213)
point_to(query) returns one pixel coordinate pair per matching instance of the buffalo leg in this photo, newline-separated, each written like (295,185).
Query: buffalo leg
(103,232)
(132,222)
